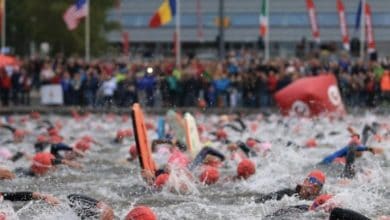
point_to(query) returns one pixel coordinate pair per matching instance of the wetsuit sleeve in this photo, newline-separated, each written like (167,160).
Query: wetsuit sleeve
(290,210)
(17,156)
(8,128)
(17,196)
(55,148)
(56,161)
(202,155)
(362,148)
(248,151)
(278,195)
(349,171)
(340,153)
(346,214)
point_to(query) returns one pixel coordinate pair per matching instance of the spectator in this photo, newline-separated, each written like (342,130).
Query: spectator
(5,87)
(89,88)
(385,86)
(16,86)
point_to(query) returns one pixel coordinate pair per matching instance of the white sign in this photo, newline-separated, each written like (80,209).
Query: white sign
(52,95)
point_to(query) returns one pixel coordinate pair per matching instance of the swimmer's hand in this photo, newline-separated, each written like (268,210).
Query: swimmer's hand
(72,164)
(107,213)
(46,197)
(148,176)
(376,150)
(6,174)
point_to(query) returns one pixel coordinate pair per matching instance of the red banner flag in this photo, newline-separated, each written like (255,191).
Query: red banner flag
(343,24)
(313,20)
(369,31)
(311,96)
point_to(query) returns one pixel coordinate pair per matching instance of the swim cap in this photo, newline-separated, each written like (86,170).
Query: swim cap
(245,169)
(128,132)
(320,200)
(18,134)
(87,138)
(35,115)
(221,134)
(250,142)
(161,180)
(265,146)
(120,134)
(56,139)
(83,145)
(141,213)
(52,131)
(3,216)
(42,162)
(311,143)
(210,175)
(42,138)
(149,126)
(316,177)
(133,151)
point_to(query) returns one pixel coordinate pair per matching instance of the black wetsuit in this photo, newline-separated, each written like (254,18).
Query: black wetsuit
(56,148)
(85,207)
(17,196)
(278,195)
(203,154)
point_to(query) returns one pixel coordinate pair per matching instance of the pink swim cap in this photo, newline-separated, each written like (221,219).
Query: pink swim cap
(5,154)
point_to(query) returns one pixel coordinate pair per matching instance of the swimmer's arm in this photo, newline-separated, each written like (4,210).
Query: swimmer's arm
(278,195)
(17,196)
(107,212)
(340,153)
(69,163)
(6,174)
(8,128)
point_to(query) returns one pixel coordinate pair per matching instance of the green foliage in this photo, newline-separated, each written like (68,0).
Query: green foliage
(41,21)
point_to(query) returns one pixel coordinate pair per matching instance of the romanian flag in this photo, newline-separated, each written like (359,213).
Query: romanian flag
(164,14)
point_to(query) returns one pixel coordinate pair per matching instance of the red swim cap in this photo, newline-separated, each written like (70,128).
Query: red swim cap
(18,134)
(56,139)
(35,115)
(42,138)
(161,180)
(320,200)
(83,145)
(128,133)
(52,131)
(210,175)
(120,134)
(141,213)
(245,169)
(87,138)
(250,142)
(318,175)
(311,143)
(221,134)
(3,216)
(42,162)
(133,151)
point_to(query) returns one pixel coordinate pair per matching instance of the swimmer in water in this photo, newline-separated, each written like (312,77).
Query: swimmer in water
(86,208)
(309,189)
(28,196)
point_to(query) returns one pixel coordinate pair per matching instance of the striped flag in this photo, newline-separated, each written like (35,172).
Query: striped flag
(75,13)
(313,20)
(343,24)
(263,19)
(369,30)
(164,14)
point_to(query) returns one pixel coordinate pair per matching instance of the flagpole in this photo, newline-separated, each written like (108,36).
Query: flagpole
(178,35)
(363,29)
(87,34)
(3,21)
(267,43)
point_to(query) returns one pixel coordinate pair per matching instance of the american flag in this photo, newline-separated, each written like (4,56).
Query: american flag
(74,13)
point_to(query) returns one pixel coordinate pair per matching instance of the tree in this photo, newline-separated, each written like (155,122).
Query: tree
(41,21)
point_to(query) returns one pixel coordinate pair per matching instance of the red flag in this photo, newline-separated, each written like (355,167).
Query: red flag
(343,24)
(311,96)
(313,20)
(125,42)
(369,31)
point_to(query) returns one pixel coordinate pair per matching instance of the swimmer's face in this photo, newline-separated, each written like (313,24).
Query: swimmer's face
(309,190)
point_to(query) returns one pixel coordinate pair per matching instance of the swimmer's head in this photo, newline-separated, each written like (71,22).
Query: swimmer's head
(141,213)
(245,169)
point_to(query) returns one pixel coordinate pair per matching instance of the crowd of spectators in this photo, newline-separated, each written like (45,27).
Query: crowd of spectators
(242,80)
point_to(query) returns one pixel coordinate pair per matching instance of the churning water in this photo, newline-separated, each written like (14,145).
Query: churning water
(107,177)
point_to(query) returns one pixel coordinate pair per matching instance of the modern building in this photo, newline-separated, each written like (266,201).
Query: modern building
(289,24)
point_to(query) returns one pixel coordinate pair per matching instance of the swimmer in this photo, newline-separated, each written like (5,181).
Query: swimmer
(28,196)
(309,189)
